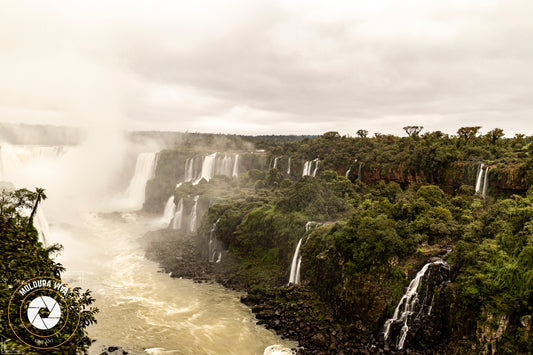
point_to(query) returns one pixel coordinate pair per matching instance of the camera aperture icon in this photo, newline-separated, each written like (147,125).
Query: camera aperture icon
(34,310)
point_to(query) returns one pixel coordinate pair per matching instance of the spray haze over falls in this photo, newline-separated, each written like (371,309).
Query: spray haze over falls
(141,310)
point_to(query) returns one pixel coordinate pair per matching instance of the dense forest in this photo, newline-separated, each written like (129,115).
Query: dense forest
(382,207)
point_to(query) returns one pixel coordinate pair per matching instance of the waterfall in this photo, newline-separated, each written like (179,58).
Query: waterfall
(211,165)
(359,172)
(294,275)
(144,171)
(289,166)
(41,224)
(485,183)
(208,168)
(479,180)
(482,181)
(194,215)
(189,170)
(214,249)
(406,310)
(178,216)
(235,172)
(317,162)
(170,209)
(15,159)
(347,175)
(275,166)
(308,168)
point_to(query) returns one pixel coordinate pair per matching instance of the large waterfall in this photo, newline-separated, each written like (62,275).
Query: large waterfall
(417,300)
(294,275)
(141,310)
(207,166)
(310,168)
(144,170)
(20,163)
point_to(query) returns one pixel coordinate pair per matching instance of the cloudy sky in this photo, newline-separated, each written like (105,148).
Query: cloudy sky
(268,67)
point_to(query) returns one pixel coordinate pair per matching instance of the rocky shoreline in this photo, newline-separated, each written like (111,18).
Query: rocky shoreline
(293,312)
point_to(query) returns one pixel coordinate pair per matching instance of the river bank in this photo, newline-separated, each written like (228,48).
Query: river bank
(294,312)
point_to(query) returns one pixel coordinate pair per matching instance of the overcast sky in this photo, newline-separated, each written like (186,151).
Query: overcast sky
(268,67)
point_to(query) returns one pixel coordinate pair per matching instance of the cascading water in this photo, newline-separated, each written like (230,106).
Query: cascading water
(308,168)
(16,163)
(144,170)
(275,165)
(235,171)
(142,310)
(485,183)
(205,167)
(170,210)
(410,306)
(178,216)
(214,247)
(479,179)
(482,181)
(289,166)
(294,275)
(194,215)
(347,175)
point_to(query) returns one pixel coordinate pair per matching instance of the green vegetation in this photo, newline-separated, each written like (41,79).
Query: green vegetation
(24,258)
(414,200)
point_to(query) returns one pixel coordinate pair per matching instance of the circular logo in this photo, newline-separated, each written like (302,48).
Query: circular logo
(53,308)
(44,312)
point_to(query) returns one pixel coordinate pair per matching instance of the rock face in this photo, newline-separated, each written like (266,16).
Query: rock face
(503,180)
(415,323)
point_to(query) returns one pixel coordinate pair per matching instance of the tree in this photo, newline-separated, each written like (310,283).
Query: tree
(39,196)
(413,131)
(494,135)
(362,133)
(468,133)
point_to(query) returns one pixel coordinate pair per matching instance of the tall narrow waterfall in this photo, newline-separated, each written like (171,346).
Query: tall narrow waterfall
(482,181)
(479,180)
(194,215)
(235,172)
(275,165)
(41,224)
(359,172)
(178,216)
(214,247)
(144,171)
(310,167)
(170,209)
(411,306)
(289,166)
(347,175)
(485,183)
(294,275)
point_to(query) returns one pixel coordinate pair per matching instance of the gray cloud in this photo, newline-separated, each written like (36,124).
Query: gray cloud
(264,67)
